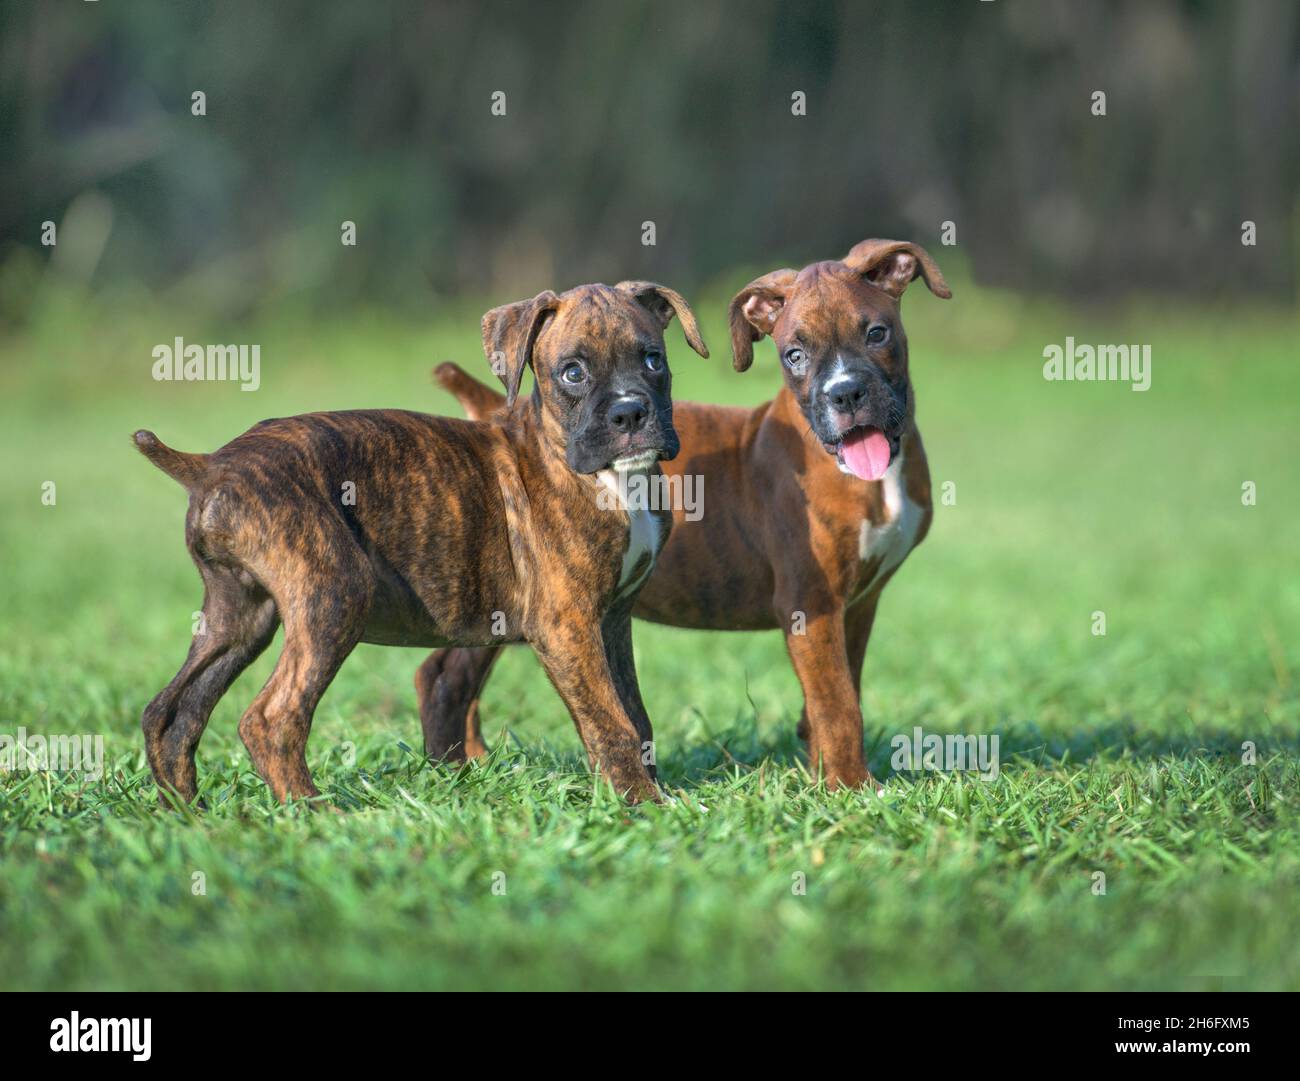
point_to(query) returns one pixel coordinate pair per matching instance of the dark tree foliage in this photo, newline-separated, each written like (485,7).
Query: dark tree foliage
(676,113)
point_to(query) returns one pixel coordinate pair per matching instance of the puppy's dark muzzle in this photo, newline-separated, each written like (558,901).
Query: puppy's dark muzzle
(636,427)
(630,429)
(847,397)
(859,400)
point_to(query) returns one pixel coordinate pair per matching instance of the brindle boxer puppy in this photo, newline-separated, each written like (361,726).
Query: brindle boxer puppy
(811,502)
(405,529)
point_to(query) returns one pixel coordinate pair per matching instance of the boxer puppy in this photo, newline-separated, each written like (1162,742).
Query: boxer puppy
(812,501)
(405,529)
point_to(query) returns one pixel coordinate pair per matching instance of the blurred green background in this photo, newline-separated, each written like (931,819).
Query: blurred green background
(1120,753)
(670,111)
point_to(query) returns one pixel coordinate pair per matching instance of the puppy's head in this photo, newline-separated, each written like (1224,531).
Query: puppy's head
(600,368)
(840,338)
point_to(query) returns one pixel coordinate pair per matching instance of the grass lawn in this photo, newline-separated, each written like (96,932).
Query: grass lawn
(1122,754)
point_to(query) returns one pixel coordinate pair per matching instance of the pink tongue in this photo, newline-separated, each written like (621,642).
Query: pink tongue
(866,453)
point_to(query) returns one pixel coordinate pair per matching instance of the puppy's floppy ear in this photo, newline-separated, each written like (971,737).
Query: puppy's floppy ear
(664,303)
(753,313)
(509,334)
(893,264)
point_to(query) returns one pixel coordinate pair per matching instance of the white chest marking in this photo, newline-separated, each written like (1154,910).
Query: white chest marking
(890,540)
(644,538)
(644,530)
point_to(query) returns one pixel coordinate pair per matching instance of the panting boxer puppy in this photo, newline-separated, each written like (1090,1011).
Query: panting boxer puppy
(812,501)
(405,529)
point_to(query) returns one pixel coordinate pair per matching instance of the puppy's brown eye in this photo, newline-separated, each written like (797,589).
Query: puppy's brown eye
(876,335)
(794,357)
(654,362)
(573,374)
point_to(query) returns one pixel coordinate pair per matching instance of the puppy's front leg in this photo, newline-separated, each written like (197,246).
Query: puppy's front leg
(834,718)
(574,657)
(617,634)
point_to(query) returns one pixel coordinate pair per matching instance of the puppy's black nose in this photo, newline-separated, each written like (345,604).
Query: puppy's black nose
(628,415)
(847,394)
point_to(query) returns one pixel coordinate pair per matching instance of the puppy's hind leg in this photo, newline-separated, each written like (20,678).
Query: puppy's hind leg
(239,621)
(324,617)
(447,685)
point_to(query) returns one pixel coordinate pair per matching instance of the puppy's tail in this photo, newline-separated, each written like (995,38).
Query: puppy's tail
(478,400)
(188,469)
